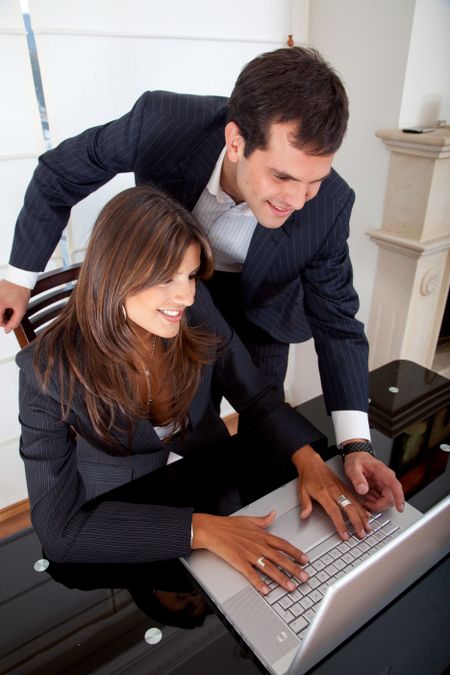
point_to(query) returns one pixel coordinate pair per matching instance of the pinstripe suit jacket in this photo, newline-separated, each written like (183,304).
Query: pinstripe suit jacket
(64,472)
(296,281)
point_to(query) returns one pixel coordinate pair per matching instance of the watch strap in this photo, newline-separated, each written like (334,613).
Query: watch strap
(356,446)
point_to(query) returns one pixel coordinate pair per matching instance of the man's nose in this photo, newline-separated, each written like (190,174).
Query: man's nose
(298,197)
(295,196)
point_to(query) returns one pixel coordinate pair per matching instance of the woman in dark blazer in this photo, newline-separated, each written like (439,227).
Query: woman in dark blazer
(120,386)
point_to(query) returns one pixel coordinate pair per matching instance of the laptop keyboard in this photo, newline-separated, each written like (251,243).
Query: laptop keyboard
(328,562)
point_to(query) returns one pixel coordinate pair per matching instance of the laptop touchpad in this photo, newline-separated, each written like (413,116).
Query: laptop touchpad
(302,533)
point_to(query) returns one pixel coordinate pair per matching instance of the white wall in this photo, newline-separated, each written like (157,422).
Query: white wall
(426,94)
(96,61)
(20,143)
(96,58)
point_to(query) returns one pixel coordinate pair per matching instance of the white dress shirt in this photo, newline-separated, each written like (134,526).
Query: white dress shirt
(229,226)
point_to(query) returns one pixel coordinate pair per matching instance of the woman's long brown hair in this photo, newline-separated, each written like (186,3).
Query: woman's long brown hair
(138,240)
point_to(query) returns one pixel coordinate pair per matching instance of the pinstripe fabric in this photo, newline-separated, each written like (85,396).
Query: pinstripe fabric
(64,473)
(296,280)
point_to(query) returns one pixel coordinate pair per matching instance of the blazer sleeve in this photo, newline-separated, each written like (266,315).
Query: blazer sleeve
(151,140)
(67,174)
(331,303)
(68,528)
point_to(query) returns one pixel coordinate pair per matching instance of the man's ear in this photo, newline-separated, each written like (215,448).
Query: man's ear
(234,142)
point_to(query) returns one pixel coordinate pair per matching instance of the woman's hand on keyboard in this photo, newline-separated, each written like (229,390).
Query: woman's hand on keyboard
(375,481)
(317,482)
(245,543)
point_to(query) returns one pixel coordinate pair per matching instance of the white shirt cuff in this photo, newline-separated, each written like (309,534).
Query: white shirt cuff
(350,424)
(21,277)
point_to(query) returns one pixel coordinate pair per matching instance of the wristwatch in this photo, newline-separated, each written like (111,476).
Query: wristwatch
(356,446)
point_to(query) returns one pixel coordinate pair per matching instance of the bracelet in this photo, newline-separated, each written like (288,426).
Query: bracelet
(356,446)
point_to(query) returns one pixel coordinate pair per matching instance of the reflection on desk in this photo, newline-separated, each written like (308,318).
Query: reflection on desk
(411,406)
(51,627)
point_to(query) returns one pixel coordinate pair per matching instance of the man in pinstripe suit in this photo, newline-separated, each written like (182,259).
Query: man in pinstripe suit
(256,171)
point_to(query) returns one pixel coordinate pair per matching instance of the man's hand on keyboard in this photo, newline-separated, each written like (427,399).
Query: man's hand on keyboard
(375,481)
(319,483)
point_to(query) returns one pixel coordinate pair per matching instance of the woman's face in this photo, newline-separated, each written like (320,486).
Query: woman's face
(159,309)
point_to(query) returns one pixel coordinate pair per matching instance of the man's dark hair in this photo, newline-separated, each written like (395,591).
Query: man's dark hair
(294,84)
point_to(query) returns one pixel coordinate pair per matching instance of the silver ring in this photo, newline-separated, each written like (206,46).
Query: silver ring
(261,562)
(343,501)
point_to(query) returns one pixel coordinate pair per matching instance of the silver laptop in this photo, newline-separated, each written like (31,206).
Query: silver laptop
(349,581)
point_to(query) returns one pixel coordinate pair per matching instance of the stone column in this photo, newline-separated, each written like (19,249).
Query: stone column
(413,270)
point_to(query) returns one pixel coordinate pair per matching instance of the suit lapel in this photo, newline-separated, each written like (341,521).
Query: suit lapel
(263,248)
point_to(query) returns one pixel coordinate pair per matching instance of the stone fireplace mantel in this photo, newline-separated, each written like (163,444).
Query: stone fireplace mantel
(413,270)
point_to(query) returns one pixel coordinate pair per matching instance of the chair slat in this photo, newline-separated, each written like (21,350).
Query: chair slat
(49,297)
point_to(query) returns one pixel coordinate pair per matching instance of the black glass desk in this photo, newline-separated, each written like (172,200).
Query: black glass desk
(48,628)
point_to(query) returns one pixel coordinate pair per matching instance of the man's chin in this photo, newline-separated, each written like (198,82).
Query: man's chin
(272,223)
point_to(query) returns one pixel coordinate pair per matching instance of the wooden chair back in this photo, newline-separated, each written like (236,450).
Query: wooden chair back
(48,298)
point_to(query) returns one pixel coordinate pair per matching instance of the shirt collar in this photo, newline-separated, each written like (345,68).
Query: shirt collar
(213,185)
(222,197)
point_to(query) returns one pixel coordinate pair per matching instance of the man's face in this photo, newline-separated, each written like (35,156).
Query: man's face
(273,182)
